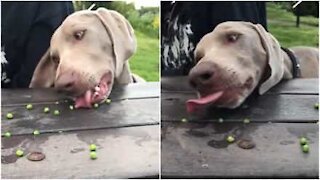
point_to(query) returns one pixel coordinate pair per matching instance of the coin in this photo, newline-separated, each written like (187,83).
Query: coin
(246,144)
(36,156)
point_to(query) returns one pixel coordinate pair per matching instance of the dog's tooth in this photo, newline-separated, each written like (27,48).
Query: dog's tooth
(97,88)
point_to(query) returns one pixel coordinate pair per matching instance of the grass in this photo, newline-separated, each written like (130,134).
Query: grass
(145,62)
(282,24)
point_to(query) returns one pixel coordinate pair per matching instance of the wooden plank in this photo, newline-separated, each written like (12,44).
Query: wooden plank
(293,86)
(191,150)
(41,96)
(124,113)
(266,108)
(176,83)
(122,153)
(296,86)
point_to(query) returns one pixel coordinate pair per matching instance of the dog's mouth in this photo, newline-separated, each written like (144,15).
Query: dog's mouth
(96,94)
(227,97)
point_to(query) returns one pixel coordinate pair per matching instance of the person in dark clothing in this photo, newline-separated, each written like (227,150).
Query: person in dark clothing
(26,30)
(183,24)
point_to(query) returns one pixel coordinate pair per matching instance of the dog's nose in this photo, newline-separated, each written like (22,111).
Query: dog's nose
(65,82)
(202,74)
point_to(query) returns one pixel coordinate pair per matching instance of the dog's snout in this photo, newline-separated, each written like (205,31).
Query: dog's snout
(201,74)
(66,82)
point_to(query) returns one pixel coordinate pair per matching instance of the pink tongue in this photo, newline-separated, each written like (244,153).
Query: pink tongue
(84,101)
(193,104)
(91,97)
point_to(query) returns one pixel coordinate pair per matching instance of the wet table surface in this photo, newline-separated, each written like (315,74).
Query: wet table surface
(126,133)
(278,119)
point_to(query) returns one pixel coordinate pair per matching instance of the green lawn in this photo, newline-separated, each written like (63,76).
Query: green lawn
(282,24)
(145,62)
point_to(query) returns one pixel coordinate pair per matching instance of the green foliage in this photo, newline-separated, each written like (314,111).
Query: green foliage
(304,8)
(281,24)
(307,8)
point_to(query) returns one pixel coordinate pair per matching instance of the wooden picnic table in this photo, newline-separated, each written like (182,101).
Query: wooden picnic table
(126,133)
(198,148)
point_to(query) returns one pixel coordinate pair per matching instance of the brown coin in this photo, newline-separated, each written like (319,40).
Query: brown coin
(36,156)
(246,144)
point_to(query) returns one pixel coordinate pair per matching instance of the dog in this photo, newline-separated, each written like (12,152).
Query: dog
(88,54)
(238,57)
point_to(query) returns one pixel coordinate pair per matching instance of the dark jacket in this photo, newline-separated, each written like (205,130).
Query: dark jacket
(26,30)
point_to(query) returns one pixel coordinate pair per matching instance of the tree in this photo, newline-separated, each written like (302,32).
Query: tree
(306,9)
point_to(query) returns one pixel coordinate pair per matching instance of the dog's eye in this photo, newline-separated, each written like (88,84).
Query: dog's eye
(231,38)
(55,59)
(78,35)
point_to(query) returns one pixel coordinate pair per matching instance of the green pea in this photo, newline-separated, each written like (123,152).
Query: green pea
(29,106)
(95,105)
(230,139)
(46,110)
(108,101)
(7,134)
(71,107)
(93,155)
(184,120)
(220,120)
(246,121)
(36,132)
(303,141)
(9,116)
(305,148)
(316,105)
(19,153)
(93,147)
(56,112)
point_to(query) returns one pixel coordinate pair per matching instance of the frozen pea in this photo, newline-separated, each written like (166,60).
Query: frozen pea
(46,110)
(303,141)
(305,148)
(108,101)
(29,106)
(56,112)
(230,139)
(19,153)
(9,115)
(93,147)
(93,155)
(184,120)
(246,121)
(36,132)
(316,105)
(95,105)
(7,134)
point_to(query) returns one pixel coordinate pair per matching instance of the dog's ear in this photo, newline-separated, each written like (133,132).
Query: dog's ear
(122,36)
(45,73)
(275,63)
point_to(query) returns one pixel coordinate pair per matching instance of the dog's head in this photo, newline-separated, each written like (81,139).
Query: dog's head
(87,54)
(233,60)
